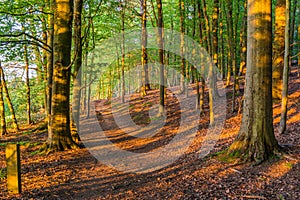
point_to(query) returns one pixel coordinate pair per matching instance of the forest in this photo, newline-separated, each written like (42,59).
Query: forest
(150,99)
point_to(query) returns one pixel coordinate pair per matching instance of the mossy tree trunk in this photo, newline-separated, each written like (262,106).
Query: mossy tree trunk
(59,137)
(256,140)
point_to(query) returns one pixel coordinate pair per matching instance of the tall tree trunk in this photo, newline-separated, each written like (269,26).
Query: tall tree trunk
(78,4)
(28,101)
(284,102)
(278,50)
(60,136)
(8,100)
(123,54)
(231,43)
(215,42)
(2,111)
(256,140)
(145,74)
(243,43)
(160,40)
(182,51)
(49,69)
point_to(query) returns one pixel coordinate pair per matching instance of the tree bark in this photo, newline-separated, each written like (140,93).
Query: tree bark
(78,4)
(256,140)
(160,39)
(278,50)
(182,49)
(49,68)
(2,111)
(145,74)
(28,101)
(60,136)
(285,79)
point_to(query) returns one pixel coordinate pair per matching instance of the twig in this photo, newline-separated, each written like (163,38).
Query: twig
(253,197)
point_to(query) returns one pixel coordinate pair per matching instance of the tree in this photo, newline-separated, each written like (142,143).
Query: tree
(2,111)
(278,50)
(8,99)
(59,137)
(78,4)
(284,100)
(145,74)
(28,101)
(160,39)
(256,140)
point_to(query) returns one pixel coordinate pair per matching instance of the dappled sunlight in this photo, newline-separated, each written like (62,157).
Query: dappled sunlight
(294,119)
(279,169)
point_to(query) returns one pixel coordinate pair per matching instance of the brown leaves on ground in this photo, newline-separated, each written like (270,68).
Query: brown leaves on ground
(78,175)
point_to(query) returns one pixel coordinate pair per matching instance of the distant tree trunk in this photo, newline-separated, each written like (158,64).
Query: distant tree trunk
(208,34)
(215,41)
(49,68)
(145,74)
(60,136)
(285,81)
(182,52)
(2,111)
(256,140)
(243,43)
(8,100)
(231,43)
(123,55)
(77,69)
(160,39)
(278,50)
(28,102)
(88,99)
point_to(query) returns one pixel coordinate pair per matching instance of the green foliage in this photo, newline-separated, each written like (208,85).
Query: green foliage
(17,90)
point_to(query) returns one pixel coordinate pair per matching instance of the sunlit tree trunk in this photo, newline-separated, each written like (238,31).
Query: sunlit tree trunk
(8,99)
(2,111)
(243,43)
(215,42)
(77,68)
(256,140)
(60,136)
(285,79)
(278,50)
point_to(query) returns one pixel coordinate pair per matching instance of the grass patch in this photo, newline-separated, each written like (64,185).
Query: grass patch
(27,132)
(226,157)
(289,165)
(148,104)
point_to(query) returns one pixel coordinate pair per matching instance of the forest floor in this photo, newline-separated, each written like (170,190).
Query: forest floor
(76,174)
